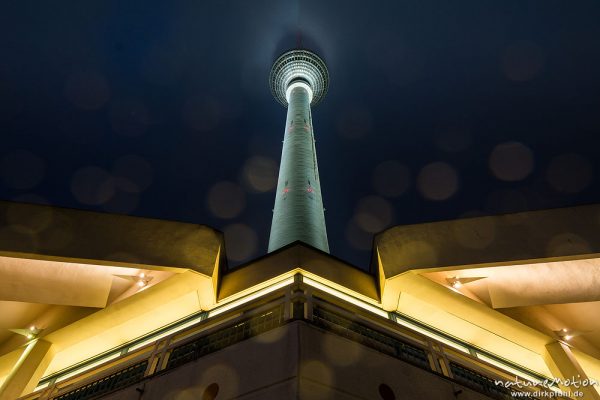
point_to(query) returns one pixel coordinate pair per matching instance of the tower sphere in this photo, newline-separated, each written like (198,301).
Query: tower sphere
(299,67)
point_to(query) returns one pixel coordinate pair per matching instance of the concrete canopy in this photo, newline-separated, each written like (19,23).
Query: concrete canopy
(60,234)
(539,269)
(59,265)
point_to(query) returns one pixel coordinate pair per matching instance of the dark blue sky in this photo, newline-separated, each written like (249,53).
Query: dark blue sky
(436,110)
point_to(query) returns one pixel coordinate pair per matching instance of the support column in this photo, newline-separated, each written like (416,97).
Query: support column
(563,363)
(28,370)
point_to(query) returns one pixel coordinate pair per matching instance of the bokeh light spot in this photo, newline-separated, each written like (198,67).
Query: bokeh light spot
(391,179)
(340,356)
(386,392)
(28,220)
(162,64)
(569,173)
(129,117)
(373,214)
(506,201)
(358,238)
(259,174)
(421,252)
(271,336)
(19,238)
(475,237)
(401,64)
(453,139)
(87,90)
(185,394)
(226,200)
(123,256)
(80,128)
(354,122)
(201,114)
(522,61)
(211,392)
(122,202)
(11,101)
(22,169)
(132,173)
(92,186)
(437,181)
(223,374)
(317,370)
(242,242)
(31,198)
(511,161)
(567,244)
(58,238)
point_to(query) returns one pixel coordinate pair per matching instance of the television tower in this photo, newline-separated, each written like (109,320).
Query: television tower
(299,79)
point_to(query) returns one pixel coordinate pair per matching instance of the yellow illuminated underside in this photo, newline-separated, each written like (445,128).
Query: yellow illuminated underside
(147,312)
(180,296)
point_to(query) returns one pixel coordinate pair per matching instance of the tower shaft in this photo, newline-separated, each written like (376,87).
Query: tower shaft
(298,212)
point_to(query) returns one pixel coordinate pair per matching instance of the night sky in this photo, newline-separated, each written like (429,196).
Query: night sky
(436,110)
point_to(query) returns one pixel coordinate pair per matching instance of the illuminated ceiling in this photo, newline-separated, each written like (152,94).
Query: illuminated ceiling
(50,295)
(549,297)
